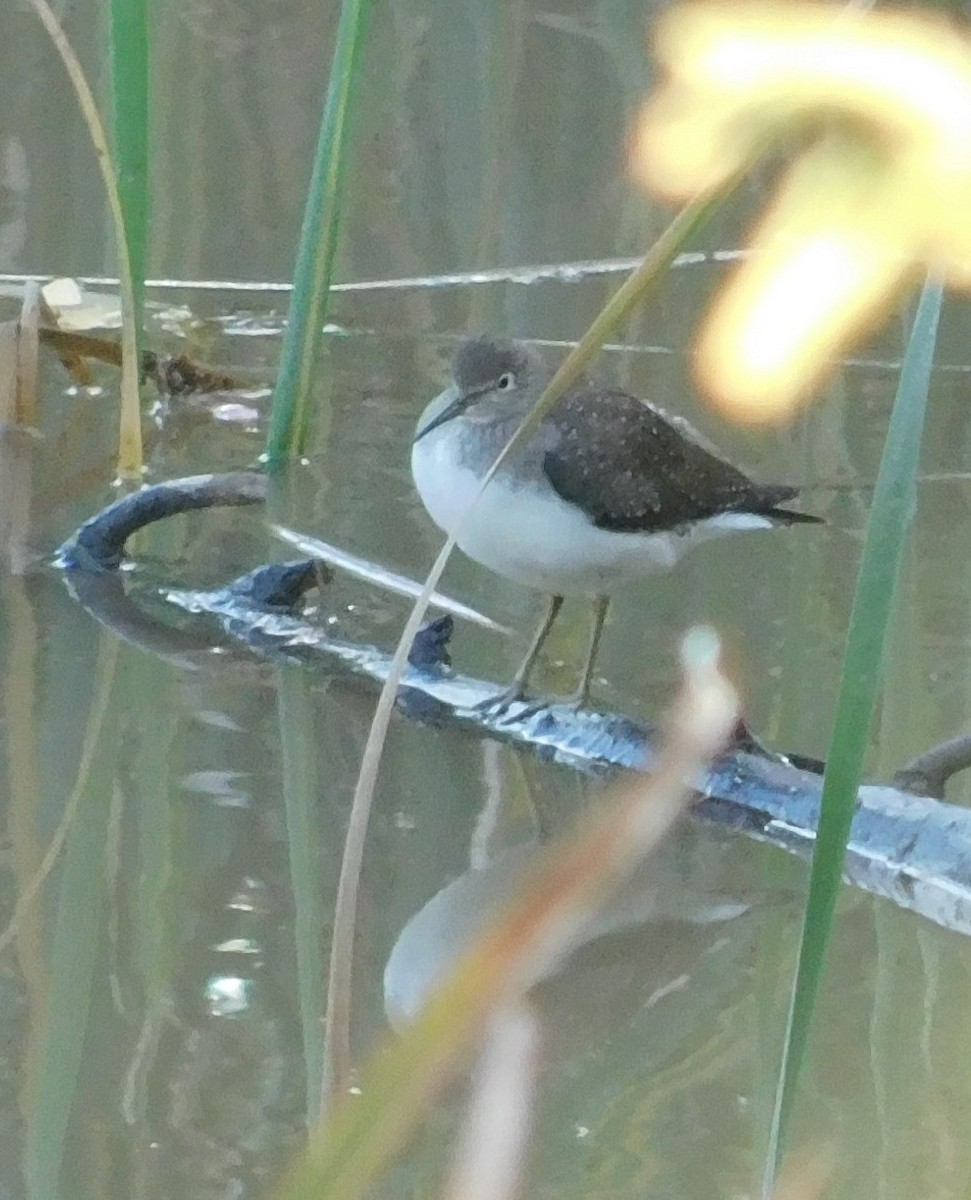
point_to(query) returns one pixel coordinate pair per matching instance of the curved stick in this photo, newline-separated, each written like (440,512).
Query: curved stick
(928,773)
(99,545)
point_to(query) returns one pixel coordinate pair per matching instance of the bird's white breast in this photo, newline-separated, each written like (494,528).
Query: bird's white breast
(528,533)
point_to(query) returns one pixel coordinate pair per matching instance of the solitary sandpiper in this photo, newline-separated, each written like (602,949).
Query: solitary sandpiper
(605,490)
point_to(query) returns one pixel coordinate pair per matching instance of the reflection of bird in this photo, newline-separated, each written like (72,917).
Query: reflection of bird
(605,490)
(662,889)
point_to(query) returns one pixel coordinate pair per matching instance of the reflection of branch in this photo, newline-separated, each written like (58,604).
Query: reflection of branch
(928,773)
(105,597)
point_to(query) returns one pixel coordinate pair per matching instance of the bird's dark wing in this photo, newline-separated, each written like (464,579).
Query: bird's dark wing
(633,470)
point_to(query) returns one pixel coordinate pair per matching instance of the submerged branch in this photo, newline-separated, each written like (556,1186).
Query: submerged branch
(910,849)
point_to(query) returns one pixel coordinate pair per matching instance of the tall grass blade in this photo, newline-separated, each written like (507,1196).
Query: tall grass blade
(491,1150)
(894,500)
(129,103)
(159,908)
(78,927)
(290,415)
(130,420)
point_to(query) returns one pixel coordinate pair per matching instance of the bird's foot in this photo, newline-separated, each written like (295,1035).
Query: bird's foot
(514,704)
(744,740)
(577,701)
(500,706)
(501,702)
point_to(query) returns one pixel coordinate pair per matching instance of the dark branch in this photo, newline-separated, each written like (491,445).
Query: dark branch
(99,545)
(928,773)
(913,850)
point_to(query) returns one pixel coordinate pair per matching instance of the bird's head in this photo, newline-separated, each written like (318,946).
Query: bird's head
(491,377)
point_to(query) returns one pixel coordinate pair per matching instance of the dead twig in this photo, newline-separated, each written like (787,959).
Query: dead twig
(928,773)
(177,375)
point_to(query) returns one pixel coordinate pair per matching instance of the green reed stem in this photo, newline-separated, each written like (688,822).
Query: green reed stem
(894,501)
(129,96)
(75,936)
(290,416)
(129,425)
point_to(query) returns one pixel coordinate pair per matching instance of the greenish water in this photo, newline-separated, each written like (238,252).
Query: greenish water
(159,1031)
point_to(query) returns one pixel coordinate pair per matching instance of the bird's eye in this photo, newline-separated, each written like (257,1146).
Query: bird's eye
(505,381)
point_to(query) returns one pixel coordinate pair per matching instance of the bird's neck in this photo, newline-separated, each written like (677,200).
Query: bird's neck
(481,444)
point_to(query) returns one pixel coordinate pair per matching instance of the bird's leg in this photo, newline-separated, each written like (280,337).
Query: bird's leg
(581,698)
(517,688)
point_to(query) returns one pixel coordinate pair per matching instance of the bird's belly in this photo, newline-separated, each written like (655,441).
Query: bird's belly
(531,535)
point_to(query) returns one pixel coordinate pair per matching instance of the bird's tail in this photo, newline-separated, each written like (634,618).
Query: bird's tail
(789,517)
(772,497)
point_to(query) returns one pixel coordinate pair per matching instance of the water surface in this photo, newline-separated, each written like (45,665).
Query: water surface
(160,1004)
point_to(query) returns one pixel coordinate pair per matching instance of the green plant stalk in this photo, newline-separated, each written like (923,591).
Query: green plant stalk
(75,939)
(160,903)
(337,1037)
(130,419)
(129,96)
(289,417)
(894,500)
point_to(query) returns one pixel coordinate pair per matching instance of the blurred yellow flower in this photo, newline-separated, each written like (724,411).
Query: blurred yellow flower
(883,191)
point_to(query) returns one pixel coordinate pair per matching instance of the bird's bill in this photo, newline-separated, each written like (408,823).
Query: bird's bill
(445,407)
